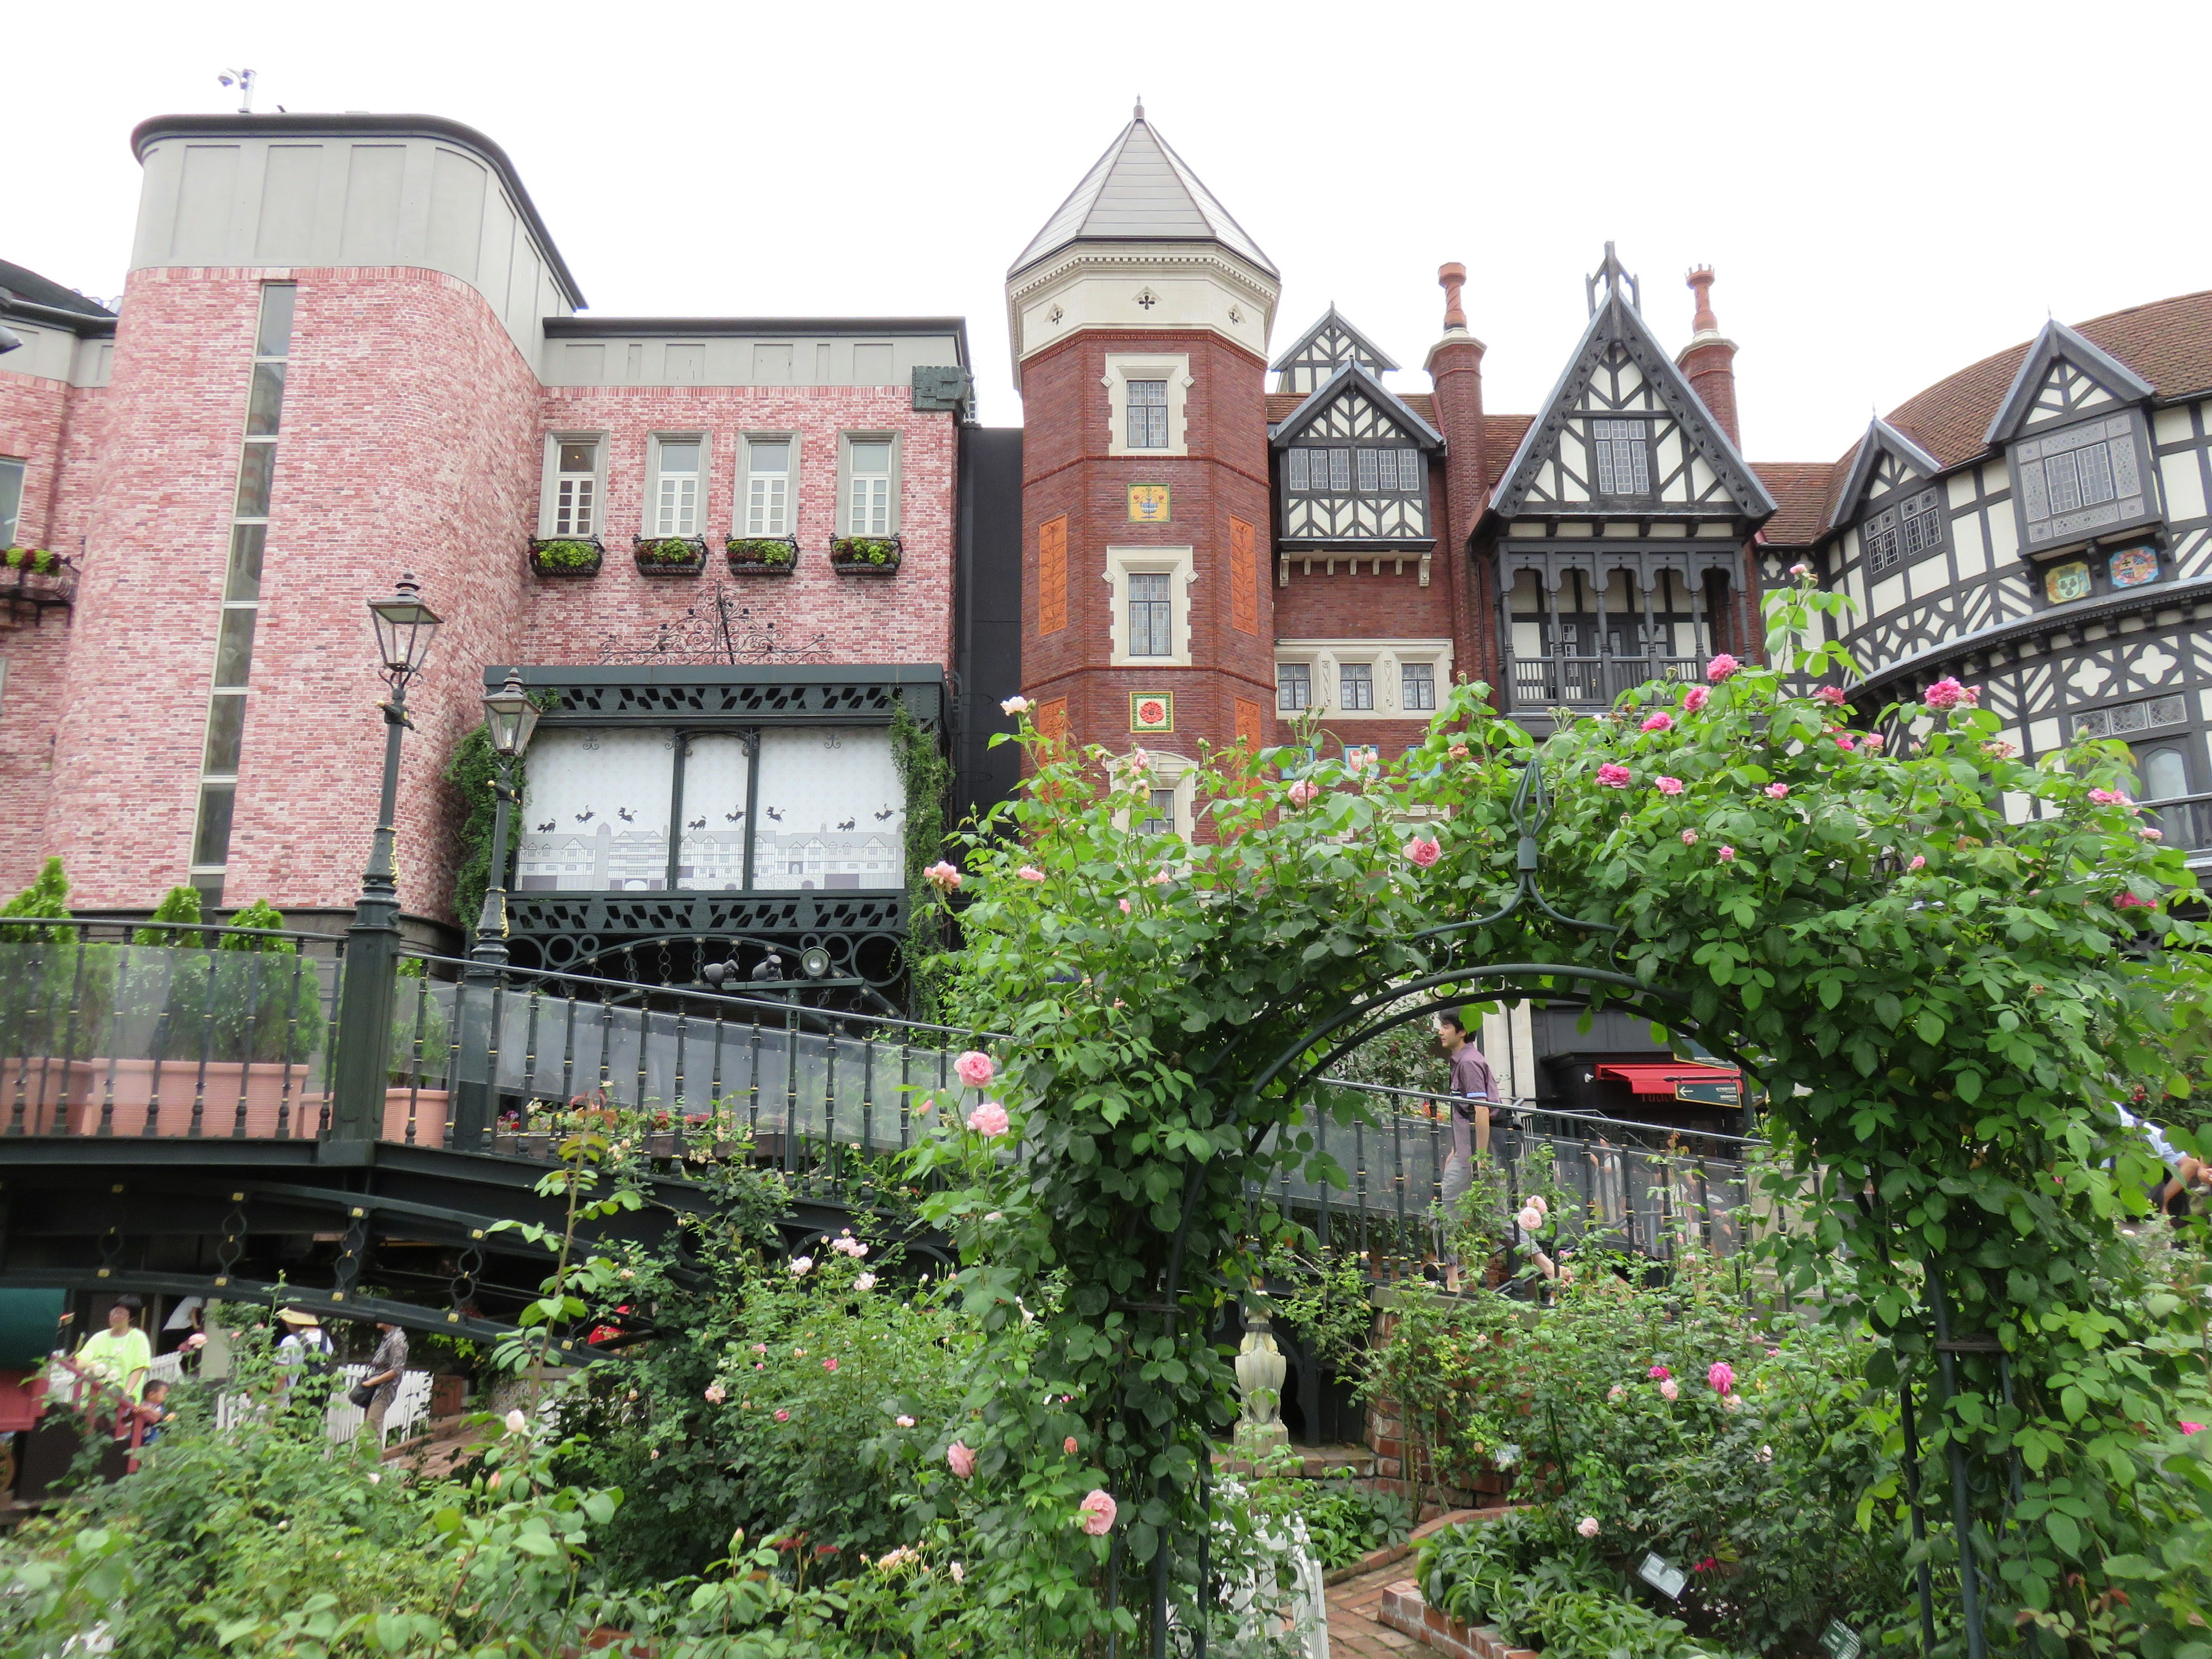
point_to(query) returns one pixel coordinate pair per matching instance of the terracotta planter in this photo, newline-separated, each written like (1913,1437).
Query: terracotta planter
(128,1096)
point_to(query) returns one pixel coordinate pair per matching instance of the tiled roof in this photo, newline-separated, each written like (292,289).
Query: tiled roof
(1281,406)
(27,284)
(1800,490)
(1501,437)
(2167,342)
(1141,191)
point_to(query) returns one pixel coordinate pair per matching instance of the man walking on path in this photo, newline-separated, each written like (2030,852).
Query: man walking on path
(1472,1080)
(120,1354)
(385,1368)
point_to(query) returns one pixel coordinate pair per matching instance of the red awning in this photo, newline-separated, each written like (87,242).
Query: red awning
(1660,1080)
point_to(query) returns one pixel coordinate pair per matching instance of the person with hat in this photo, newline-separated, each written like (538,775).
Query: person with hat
(306,1342)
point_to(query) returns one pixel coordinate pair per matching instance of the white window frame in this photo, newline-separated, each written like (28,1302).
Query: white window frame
(1174,367)
(845,475)
(742,500)
(14,524)
(548,492)
(1180,565)
(650,527)
(1165,770)
(1324,661)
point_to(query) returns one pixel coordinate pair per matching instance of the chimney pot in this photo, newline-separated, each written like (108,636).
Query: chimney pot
(1453,277)
(1700,282)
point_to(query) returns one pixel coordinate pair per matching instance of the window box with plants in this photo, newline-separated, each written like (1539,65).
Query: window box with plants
(567,556)
(40,573)
(671,556)
(764,556)
(873,556)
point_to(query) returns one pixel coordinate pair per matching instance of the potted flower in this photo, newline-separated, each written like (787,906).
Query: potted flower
(39,570)
(671,556)
(764,556)
(566,555)
(877,556)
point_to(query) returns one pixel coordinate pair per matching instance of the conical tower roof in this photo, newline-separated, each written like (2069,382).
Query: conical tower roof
(1141,191)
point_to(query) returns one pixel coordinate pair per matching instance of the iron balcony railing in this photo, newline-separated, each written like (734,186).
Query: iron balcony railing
(103,1038)
(1540,683)
(2183,821)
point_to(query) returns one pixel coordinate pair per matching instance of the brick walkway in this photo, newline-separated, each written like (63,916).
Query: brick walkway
(1353,1632)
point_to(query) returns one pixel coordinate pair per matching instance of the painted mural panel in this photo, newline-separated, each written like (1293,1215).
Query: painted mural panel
(832,810)
(595,811)
(715,774)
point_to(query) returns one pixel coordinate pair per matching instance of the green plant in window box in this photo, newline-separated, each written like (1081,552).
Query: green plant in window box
(39,561)
(866,552)
(671,555)
(565,557)
(778,554)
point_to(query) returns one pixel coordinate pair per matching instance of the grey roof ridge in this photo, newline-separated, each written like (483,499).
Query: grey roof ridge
(1325,393)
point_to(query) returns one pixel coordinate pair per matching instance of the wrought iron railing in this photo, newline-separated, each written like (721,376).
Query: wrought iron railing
(1568,682)
(2184,821)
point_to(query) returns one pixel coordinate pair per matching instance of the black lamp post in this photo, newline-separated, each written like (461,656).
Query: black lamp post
(404,627)
(510,717)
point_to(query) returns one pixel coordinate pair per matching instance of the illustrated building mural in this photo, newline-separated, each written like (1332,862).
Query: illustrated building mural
(725,551)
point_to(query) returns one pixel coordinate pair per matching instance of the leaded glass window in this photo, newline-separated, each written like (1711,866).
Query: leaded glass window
(1159,819)
(1417,685)
(1368,468)
(2079,480)
(1148,414)
(1294,469)
(1150,623)
(1624,464)
(1355,685)
(1293,687)
(1340,471)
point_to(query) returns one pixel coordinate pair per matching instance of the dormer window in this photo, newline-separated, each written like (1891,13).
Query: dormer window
(2073,483)
(1898,535)
(1624,457)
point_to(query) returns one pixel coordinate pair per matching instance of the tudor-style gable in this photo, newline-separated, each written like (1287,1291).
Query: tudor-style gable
(2064,378)
(2076,429)
(1352,467)
(1312,361)
(1623,433)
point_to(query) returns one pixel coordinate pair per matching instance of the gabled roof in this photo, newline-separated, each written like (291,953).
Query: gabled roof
(2058,341)
(1615,321)
(1142,192)
(28,285)
(1352,377)
(1881,436)
(1332,319)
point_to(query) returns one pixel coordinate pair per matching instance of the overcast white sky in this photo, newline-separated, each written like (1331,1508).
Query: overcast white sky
(1887,190)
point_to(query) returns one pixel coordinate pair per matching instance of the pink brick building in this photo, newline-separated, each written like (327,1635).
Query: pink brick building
(347,348)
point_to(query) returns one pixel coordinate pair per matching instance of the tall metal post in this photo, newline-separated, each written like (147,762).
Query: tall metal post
(1962,1508)
(480,982)
(372,960)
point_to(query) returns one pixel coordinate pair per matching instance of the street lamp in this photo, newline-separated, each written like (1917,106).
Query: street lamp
(404,627)
(510,717)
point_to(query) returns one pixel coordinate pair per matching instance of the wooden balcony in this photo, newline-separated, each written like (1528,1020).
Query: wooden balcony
(1536,683)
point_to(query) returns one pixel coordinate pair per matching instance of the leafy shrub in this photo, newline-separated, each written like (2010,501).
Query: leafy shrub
(565,555)
(667,549)
(1345,1519)
(762,550)
(879,551)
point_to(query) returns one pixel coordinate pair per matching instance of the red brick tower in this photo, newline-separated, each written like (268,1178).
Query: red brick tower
(1139,316)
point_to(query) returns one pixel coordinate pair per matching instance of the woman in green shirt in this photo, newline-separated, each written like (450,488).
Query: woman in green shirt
(120,1354)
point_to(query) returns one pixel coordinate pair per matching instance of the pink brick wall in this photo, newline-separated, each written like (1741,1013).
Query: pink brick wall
(903,618)
(411,440)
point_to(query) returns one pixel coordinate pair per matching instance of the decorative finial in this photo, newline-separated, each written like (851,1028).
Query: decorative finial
(1612,277)
(1140,106)
(1700,282)
(1452,278)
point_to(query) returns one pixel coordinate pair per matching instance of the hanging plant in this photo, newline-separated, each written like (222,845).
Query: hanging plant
(876,554)
(562,556)
(671,556)
(776,555)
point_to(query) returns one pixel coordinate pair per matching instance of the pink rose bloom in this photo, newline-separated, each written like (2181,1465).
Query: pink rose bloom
(1843,742)
(2192,1428)
(1689,838)
(1098,1510)
(942,876)
(782,1416)
(1457,751)
(1946,692)
(2130,902)
(1727,854)
(1872,742)
(975,1068)
(1658,1373)
(1303,792)
(989,1119)
(1588,1526)
(1124,907)
(1721,667)
(1424,851)
(1918,863)
(1659,722)
(1670,1389)
(1694,698)
(714,1395)
(905,1422)
(760,1347)
(1779,791)
(1613,776)
(1029,873)
(1069,1445)
(1015,705)
(960,1460)
(1670,785)
(1722,1375)
(829,1365)
(1831,694)
(2147,834)
(1162,879)
(2108,797)
(1616,1394)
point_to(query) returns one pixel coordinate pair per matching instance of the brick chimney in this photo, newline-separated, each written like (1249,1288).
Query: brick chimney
(1455,365)
(1709,360)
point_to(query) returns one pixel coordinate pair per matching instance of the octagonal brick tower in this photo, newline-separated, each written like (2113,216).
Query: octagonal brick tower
(1139,316)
